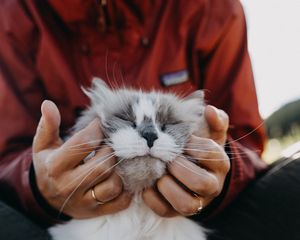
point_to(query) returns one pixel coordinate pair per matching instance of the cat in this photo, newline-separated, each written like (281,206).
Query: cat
(146,130)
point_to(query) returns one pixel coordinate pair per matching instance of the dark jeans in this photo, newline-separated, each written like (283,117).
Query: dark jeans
(268,209)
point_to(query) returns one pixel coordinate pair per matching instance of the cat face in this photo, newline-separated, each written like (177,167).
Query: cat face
(145,130)
(146,125)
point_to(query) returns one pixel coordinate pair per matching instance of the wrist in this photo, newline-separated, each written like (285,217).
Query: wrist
(52,212)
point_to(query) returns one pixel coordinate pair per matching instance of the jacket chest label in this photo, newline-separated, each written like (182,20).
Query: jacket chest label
(174,78)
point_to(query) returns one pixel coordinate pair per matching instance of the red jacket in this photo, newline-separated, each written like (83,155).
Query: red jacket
(48,49)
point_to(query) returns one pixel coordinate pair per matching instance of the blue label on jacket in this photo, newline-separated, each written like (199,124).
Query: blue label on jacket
(174,78)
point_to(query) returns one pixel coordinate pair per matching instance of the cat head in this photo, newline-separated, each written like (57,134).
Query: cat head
(145,126)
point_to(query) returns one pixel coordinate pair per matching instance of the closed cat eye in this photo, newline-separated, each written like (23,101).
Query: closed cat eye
(129,121)
(164,126)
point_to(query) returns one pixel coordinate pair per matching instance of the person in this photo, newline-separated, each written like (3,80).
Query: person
(50,49)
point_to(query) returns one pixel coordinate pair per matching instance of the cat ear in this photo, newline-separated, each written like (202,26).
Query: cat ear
(99,92)
(199,94)
(193,104)
(98,83)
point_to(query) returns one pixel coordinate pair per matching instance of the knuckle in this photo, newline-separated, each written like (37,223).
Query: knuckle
(196,184)
(162,181)
(216,193)
(198,188)
(163,211)
(226,165)
(206,187)
(102,174)
(213,188)
(186,209)
(103,170)
(115,187)
(211,143)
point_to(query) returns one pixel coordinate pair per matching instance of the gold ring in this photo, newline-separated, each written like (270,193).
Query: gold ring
(199,209)
(95,198)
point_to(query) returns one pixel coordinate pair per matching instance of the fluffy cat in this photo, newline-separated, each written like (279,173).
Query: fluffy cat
(146,131)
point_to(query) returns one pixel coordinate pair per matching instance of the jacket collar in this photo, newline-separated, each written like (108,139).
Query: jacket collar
(72,11)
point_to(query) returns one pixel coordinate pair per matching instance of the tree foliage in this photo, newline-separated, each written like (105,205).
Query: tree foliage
(284,121)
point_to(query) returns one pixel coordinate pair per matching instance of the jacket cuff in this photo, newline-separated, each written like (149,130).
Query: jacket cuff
(31,203)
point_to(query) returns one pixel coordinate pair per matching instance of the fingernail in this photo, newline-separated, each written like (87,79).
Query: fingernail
(95,123)
(218,112)
(93,130)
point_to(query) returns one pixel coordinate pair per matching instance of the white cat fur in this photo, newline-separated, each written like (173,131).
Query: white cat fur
(138,222)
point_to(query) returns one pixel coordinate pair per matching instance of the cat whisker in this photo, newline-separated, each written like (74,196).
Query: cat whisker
(114,76)
(207,145)
(106,66)
(208,151)
(210,159)
(238,139)
(84,152)
(191,170)
(88,148)
(116,164)
(232,155)
(76,188)
(101,161)
(210,147)
(85,143)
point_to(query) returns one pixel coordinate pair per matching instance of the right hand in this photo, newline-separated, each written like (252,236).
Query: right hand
(61,177)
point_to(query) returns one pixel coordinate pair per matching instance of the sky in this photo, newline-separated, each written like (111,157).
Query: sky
(274,46)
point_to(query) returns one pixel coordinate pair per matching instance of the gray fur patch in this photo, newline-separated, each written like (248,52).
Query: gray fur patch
(174,120)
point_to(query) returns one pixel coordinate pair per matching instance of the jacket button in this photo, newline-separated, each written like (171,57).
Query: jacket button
(145,41)
(85,49)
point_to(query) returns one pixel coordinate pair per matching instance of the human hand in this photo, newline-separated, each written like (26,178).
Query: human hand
(61,177)
(190,186)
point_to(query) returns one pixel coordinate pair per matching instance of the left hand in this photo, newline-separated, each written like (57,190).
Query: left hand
(195,184)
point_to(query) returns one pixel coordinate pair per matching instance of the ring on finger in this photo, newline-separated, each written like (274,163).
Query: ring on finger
(95,198)
(200,207)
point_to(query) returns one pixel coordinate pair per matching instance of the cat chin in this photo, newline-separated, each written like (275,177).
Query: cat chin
(140,172)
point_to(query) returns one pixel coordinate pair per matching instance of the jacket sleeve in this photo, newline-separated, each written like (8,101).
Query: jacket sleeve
(226,76)
(20,97)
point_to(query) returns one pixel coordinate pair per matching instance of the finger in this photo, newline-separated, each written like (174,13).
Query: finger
(200,148)
(208,154)
(78,147)
(218,122)
(89,174)
(116,205)
(47,134)
(106,190)
(157,203)
(87,207)
(97,169)
(200,181)
(182,201)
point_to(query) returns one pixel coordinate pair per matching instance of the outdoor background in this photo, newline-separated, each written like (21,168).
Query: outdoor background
(274,46)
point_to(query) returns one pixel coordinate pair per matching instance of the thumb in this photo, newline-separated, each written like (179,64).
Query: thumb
(218,122)
(47,133)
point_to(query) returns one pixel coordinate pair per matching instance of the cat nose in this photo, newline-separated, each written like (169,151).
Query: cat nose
(150,138)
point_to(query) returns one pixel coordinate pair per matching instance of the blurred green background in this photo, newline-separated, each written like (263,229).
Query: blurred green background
(283,129)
